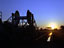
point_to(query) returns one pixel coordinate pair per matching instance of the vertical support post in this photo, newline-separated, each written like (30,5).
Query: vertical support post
(0,15)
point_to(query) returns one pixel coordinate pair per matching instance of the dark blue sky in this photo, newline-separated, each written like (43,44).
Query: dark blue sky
(45,11)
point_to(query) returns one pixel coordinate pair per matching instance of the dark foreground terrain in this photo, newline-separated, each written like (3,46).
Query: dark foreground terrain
(12,36)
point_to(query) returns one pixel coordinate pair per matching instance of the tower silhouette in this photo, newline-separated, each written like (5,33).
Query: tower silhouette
(0,15)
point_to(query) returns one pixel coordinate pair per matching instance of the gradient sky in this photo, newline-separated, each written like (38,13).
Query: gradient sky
(45,11)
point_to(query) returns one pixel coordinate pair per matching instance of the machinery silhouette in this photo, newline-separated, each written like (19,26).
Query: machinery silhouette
(0,17)
(24,20)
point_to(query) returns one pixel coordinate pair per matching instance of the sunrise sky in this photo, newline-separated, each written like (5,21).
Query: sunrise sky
(45,11)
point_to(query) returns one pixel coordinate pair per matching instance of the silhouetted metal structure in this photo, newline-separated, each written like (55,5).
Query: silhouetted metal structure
(0,15)
(29,19)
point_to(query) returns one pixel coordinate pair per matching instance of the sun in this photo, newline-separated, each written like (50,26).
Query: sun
(52,25)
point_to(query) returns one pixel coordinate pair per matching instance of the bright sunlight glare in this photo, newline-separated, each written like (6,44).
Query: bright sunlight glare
(49,38)
(50,34)
(52,25)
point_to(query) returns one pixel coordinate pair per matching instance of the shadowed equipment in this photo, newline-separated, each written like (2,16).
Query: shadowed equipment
(0,17)
(16,19)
